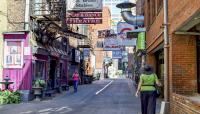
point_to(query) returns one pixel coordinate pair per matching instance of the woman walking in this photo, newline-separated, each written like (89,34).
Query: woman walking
(147,90)
(75,80)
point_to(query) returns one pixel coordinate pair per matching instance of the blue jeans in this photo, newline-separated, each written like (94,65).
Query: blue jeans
(75,82)
(148,102)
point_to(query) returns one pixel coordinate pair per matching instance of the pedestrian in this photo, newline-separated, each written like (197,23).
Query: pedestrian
(75,80)
(147,89)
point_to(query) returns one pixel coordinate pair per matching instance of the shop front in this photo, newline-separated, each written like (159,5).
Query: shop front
(17,60)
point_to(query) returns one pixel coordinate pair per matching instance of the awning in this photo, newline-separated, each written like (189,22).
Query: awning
(186,28)
(38,48)
(53,51)
(75,35)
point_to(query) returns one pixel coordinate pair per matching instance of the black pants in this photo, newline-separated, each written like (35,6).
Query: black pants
(148,102)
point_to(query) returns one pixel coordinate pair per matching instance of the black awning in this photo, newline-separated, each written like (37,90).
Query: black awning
(75,35)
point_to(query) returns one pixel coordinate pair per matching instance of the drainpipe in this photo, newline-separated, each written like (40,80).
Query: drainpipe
(26,19)
(165,104)
(166,49)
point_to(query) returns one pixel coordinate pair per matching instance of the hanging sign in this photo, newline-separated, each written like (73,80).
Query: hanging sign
(117,54)
(84,15)
(141,41)
(84,5)
(112,44)
(83,21)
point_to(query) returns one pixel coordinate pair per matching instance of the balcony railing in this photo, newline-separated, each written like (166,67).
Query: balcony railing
(48,8)
(84,43)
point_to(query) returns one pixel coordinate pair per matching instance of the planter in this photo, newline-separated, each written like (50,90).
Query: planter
(38,92)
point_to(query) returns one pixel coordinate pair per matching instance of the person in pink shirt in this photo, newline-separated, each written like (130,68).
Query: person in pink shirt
(75,78)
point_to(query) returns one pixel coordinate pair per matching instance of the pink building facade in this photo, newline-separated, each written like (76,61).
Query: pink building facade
(26,59)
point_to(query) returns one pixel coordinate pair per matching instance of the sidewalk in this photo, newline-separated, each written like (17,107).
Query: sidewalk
(133,90)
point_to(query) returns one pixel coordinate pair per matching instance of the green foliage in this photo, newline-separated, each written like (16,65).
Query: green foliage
(39,83)
(8,97)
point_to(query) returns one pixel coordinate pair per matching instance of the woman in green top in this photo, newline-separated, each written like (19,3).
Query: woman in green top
(146,86)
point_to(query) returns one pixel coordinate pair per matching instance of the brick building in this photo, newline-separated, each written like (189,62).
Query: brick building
(184,50)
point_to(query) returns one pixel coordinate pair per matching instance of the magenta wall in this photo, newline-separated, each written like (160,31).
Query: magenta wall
(22,77)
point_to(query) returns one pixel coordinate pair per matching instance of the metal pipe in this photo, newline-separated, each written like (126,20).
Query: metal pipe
(132,19)
(166,52)
(26,19)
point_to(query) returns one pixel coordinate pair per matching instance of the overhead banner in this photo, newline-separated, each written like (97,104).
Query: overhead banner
(106,33)
(84,5)
(112,43)
(141,41)
(122,29)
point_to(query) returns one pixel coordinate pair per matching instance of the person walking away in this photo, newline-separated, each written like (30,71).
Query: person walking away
(75,80)
(147,90)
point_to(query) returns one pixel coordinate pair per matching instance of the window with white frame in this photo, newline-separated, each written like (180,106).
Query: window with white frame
(13,54)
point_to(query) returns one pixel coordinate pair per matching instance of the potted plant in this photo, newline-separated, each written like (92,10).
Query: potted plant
(38,88)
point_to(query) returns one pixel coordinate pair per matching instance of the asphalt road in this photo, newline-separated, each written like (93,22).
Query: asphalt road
(112,96)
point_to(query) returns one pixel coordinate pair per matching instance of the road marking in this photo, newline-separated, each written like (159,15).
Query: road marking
(103,88)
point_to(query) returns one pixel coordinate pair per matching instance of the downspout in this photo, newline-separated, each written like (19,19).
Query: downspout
(132,19)
(166,50)
(26,18)
(165,106)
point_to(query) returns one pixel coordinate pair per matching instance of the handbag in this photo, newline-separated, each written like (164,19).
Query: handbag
(158,91)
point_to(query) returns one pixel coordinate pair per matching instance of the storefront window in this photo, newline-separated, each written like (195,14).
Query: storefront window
(40,69)
(13,54)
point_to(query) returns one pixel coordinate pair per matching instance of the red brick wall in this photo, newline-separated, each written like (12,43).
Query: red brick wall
(182,54)
(154,32)
(183,61)
(178,105)
(180,11)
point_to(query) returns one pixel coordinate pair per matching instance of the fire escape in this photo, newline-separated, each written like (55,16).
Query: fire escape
(49,18)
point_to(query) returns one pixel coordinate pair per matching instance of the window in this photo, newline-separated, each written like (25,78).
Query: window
(13,54)
(40,69)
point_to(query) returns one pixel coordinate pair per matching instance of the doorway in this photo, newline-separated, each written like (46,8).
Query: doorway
(198,64)
(52,73)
